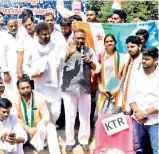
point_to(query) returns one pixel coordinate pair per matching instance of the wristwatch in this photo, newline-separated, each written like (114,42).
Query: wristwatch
(145,114)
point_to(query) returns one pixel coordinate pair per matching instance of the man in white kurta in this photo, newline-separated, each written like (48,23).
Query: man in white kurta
(56,36)
(133,65)
(10,125)
(42,61)
(144,100)
(10,51)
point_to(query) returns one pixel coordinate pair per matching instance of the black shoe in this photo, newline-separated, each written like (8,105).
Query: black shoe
(69,148)
(85,147)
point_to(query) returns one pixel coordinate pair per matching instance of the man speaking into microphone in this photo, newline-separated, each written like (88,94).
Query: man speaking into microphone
(77,88)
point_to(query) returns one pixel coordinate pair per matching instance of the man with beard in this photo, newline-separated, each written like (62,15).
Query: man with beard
(56,35)
(12,135)
(34,115)
(11,57)
(133,64)
(66,29)
(77,88)
(91,16)
(119,16)
(144,99)
(42,62)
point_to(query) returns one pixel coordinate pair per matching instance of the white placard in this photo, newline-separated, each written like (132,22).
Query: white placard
(115,124)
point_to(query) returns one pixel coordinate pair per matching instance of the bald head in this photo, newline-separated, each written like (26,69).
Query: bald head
(12,25)
(91,16)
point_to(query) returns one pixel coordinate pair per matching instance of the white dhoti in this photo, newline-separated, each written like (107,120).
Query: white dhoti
(82,102)
(53,97)
(47,132)
(55,105)
(11,149)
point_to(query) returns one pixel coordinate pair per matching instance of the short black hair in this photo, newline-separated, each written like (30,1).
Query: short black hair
(143,32)
(26,18)
(1,13)
(65,22)
(75,17)
(26,12)
(133,39)
(120,13)
(5,103)
(41,26)
(150,51)
(47,14)
(96,12)
(24,78)
(79,30)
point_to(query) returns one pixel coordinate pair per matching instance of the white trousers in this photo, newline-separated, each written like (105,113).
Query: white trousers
(11,149)
(47,132)
(82,103)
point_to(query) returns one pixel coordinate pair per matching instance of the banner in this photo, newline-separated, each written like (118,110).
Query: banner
(13,8)
(97,31)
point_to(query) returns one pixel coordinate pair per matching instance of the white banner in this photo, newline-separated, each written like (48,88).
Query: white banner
(115,124)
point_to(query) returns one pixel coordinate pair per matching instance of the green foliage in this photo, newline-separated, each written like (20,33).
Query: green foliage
(145,10)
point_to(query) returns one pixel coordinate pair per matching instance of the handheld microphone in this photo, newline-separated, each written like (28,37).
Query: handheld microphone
(82,50)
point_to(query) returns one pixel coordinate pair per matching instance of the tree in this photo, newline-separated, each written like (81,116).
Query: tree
(145,10)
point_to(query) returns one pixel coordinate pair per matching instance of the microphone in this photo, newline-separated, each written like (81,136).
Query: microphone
(82,51)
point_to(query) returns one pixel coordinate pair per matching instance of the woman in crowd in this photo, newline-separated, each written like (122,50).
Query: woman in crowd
(112,64)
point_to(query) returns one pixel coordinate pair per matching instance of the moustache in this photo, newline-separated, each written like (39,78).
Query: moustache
(26,94)
(13,32)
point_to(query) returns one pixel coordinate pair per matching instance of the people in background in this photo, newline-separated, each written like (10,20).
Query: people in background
(119,16)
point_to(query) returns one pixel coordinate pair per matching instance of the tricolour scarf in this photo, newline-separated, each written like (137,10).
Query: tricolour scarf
(127,71)
(23,110)
(117,71)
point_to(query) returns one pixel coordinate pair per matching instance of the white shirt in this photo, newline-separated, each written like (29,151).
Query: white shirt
(9,47)
(145,92)
(135,67)
(58,38)
(54,54)
(22,32)
(11,124)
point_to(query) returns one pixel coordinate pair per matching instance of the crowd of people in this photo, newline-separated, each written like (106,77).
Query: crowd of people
(40,65)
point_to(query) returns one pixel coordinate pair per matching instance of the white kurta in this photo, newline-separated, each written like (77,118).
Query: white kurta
(12,125)
(9,47)
(51,55)
(56,35)
(145,92)
(135,68)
